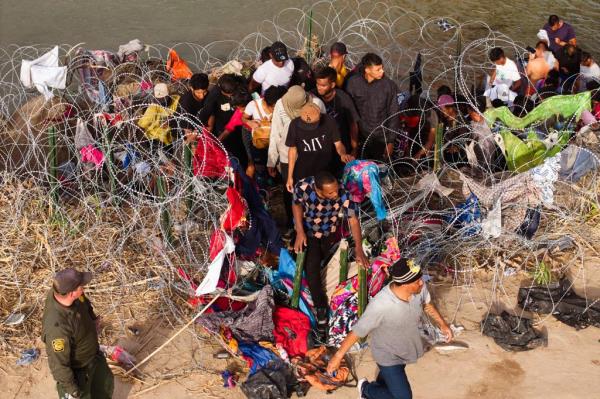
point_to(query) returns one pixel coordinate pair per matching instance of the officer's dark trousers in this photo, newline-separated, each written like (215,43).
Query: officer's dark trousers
(95,381)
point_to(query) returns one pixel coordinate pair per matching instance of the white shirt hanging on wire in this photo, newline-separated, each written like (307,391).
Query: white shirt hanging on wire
(43,73)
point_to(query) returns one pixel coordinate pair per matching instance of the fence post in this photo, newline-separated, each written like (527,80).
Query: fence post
(187,162)
(309,38)
(298,280)
(343,260)
(108,159)
(52,167)
(165,216)
(437,155)
(362,290)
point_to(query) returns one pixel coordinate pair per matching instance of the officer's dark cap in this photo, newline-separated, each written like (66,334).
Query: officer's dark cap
(69,279)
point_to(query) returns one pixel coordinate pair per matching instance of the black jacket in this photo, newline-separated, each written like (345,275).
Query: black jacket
(377,105)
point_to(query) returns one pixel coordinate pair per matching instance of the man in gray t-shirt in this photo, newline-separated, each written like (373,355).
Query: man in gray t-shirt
(391,320)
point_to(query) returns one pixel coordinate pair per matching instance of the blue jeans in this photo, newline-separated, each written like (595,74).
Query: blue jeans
(391,383)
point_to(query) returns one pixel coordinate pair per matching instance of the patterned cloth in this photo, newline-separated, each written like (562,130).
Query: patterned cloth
(321,215)
(361,179)
(344,301)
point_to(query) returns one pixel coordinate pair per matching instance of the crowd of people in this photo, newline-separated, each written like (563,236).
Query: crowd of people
(297,127)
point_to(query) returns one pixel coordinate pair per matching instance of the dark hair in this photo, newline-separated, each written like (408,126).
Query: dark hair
(497,103)
(553,20)
(240,98)
(302,75)
(542,42)
(585,56)
(444,90)
(371,59)
(324,177)
(552,78)
(228,83)
(265,54)
(480,104)
(274,93)
(199,81)
(327,73)
(496,53)
(592,85)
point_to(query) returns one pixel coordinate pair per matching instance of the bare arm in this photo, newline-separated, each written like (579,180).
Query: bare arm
(516,84)
(492,77)
(432,312)
(247,120)
(292,156)
(347,343)
(354,139)
(300,235)
(253,85)
(428,145)
(361,258)
(211,123)
(341,150)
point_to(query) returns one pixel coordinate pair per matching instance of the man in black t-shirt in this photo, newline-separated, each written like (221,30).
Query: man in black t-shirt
(217,109)
(569,62)
(340,107)
(192,102)
(311,139)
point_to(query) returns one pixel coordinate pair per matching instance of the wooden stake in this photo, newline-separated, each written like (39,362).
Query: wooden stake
(174,336)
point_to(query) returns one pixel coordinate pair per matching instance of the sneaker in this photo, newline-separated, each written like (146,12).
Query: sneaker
(359,386)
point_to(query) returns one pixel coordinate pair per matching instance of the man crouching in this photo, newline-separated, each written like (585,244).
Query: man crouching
(392,321)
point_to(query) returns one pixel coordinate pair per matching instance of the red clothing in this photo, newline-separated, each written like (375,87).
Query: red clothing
(235,121)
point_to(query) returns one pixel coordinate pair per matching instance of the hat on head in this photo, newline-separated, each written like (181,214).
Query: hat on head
(445,100)
(161,90)
(69,279)
(310,113)
(338,48)
(279,51)
(294,100)
(405,271)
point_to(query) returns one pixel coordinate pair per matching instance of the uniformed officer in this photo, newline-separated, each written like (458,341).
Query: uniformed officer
(69,332)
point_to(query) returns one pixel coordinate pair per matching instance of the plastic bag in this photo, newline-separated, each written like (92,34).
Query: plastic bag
(566,106)
(558,299)
(512,333)
(269,383)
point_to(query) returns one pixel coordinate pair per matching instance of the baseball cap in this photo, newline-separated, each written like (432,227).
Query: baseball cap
(161,90)
(279,51)
(405,271)
(445,100)
(338,48)
(69,279)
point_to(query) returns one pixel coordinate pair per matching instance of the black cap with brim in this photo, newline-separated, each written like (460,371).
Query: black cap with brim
(279,51)
(69,279)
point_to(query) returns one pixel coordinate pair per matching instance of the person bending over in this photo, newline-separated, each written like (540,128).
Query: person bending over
(391,320)
(319,204)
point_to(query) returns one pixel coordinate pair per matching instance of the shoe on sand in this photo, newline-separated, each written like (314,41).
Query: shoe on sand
(359,386)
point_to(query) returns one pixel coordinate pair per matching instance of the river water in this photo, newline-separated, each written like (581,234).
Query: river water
(107,23)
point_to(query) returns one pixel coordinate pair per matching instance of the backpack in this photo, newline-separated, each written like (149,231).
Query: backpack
(261,134)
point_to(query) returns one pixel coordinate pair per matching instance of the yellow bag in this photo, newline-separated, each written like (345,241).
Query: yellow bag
(261,134)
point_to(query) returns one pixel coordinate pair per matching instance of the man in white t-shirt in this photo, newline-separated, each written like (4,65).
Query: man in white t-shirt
(589,69)
(275,72)
(506,71)
(505,78)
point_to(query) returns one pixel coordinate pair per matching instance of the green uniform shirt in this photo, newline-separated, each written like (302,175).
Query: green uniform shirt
(70,337)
